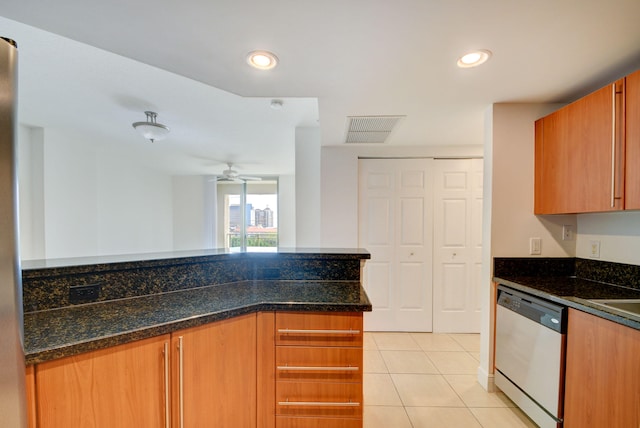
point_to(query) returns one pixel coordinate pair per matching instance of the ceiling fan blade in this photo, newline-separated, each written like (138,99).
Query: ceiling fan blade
(249,178)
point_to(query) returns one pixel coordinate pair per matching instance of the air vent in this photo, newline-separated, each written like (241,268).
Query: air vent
(370,129)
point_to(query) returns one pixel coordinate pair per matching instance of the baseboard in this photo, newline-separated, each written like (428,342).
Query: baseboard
(486,380)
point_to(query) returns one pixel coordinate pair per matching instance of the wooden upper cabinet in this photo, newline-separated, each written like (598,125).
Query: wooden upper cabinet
(579,153)
(632,160)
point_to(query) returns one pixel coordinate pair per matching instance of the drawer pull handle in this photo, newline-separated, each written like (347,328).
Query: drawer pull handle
(303,368)
(319,403)
(294,331)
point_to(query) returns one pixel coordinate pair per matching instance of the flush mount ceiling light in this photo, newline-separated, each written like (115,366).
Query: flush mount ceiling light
(151,130)
(474,59)
(276,104)
(262,60)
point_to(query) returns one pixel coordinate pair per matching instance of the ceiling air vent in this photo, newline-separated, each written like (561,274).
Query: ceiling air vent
(370,129)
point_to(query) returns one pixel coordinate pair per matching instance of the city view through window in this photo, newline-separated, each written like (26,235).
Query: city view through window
(258,222)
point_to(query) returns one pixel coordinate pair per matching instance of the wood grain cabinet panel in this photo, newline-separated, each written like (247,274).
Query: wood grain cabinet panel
(315,422)
(30,386)
(579,155)
(318,366)
(319,329)
(632,169)
(214,379)
(328,364)
(123,386)
(602,385)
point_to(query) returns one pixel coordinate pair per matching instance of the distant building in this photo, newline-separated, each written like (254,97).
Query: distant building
(264,217)
(234,216)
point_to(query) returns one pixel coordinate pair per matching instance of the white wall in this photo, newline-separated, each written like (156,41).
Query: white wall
(618,233)
(508,221)
(307,188)
(192,228)
(339,184)
(31,191)
(287,217)
(95,201)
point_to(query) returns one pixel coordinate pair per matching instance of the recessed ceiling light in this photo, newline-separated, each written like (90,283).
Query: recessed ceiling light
(474,59)
(262,60)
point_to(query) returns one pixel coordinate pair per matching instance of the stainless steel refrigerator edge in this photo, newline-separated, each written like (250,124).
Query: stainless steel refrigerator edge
(12,368)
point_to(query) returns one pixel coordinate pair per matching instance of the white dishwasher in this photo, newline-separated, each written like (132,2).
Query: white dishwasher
(530,354)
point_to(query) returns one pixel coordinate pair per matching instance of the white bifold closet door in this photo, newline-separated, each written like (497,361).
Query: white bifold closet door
(395,225)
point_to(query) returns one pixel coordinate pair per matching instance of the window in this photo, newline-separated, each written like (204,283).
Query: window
(249,215)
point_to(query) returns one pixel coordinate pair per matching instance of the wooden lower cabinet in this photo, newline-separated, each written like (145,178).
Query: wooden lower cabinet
(30,387)
(229,373)
(214,377)
(318,370)
(123,386)
(602,386)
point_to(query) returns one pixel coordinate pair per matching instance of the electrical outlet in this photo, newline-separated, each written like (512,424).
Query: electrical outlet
(535,246)
(595,249)
(84,293)
(567,232)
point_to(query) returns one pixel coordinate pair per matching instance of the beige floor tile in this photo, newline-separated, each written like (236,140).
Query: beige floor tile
(473,395)
(470,342)
(373,362)
(454,362)
(379,390)
(502,418)
(441,417)
(368,342)
(475,355)
(408,362)
(436,342)
(385,417)
(421,390)
(395,342)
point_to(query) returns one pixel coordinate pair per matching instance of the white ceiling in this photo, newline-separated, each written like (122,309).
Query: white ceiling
(337,59)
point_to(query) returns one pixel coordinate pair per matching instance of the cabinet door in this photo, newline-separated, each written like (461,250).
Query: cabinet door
(632,170)
(215,374)
(602,386)
(30,386)
(579,155)
(123,386)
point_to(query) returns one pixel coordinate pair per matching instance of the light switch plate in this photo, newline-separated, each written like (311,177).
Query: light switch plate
(594,249)
(535,246)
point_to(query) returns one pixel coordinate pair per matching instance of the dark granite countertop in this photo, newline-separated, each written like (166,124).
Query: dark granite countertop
(576,293)
(56,333)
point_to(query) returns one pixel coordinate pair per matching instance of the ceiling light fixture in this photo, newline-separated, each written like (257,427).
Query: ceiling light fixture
(151,130)
(276,104)
(474,59)
(262,60)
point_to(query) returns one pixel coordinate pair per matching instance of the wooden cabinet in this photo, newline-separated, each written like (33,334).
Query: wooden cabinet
(214,381)
(632,159)
(30,387)
(603,374)
(318,370)
(579,155)
(203,376)
(262,370)
(123,386)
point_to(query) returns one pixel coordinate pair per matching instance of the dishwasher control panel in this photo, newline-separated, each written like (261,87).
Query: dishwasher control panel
(541,311)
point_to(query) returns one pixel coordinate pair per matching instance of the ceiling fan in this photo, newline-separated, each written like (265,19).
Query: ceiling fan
(231,175)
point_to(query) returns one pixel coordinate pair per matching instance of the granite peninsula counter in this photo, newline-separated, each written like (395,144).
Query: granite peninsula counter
(165,292)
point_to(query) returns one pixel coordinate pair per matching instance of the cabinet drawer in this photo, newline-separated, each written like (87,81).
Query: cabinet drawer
(319,399)
(289,422)
(319,329)
(318,364)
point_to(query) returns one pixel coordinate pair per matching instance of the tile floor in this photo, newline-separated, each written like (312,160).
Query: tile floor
(419,380)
